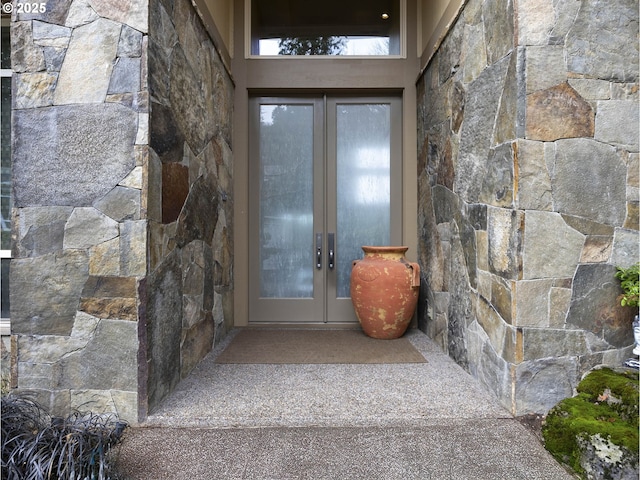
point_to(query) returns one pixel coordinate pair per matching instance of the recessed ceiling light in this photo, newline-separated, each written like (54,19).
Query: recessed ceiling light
(384,16)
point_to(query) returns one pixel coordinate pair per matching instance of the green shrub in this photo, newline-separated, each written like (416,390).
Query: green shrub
(630,283)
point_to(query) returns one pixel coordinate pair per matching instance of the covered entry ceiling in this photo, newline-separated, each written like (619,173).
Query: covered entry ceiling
(280,18)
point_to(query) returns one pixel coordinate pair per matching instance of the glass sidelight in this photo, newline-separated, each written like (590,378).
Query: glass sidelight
(324,180)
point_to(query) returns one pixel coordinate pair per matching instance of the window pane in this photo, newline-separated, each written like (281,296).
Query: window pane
(343,45)
(364,183)
(5,169)
(5,166)
(6,48)
(331,27)
(4,280)
(286,201)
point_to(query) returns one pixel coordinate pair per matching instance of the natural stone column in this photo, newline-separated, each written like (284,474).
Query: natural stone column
(79,174)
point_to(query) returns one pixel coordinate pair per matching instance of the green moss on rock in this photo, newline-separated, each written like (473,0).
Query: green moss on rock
(596,432)
(623,384)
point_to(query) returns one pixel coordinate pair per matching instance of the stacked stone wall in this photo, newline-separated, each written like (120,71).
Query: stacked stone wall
(122,173)
(79,129)
(528,192)
(190,209)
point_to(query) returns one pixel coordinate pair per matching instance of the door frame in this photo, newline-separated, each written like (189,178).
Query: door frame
(265,76)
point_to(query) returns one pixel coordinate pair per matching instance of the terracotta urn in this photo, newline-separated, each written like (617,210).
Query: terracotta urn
(384,291)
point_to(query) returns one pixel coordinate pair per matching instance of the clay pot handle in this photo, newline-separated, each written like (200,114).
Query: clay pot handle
(415,278)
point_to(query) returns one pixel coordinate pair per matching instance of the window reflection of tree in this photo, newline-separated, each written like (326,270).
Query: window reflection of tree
(312,45)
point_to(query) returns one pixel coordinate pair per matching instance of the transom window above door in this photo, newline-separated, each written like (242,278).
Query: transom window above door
(326,28)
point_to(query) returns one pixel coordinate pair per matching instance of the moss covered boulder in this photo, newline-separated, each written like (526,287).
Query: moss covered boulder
(596,432)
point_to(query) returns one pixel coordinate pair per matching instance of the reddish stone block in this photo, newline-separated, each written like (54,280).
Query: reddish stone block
(175,189)
(558,112)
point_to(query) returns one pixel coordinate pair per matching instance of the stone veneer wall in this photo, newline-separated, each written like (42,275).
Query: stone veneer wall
(80,116)
(528,192)
(121,277)
(190,209)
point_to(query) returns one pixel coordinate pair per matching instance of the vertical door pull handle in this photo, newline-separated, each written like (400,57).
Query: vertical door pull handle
(318,250)
(331,242)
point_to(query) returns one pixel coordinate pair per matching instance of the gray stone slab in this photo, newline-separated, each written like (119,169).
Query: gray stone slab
(617,123)
(545,67)
(505,241)
(130,12)
(71,155)
(481,109)
(534,182)
(583,161)
(49,308)
(106,362)
(87,227)
(597,44)
(53,58)
(593,307)
(25,56)
(120,204)
(551,247)
(126,76)
(133,245)
(542,383)
(88,63)
(498,182)
(80,13)
(48,35)
(40,230)
(130,44)
(54,11)
(626,248)
(498,28)
(164,328)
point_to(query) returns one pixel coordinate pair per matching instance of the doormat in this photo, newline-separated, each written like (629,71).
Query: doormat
(280,346)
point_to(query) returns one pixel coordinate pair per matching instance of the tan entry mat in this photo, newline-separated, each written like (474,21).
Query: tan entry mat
(258,346)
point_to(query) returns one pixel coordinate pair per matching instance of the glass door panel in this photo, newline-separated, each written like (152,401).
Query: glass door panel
(286,201)
(363,183)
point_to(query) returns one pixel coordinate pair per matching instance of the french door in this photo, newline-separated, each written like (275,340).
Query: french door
(325,178)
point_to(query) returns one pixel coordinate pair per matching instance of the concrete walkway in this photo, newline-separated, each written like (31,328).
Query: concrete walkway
(392,421)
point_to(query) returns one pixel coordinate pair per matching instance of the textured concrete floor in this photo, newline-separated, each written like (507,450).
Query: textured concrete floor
(409,421)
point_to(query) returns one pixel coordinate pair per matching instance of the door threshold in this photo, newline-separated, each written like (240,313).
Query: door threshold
(305,326)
